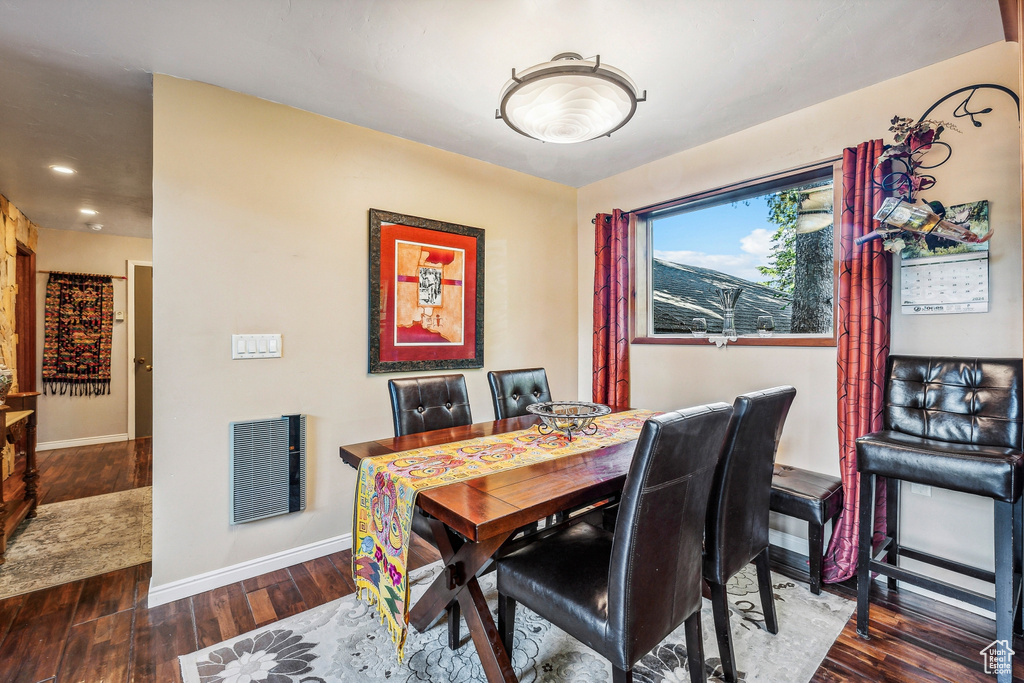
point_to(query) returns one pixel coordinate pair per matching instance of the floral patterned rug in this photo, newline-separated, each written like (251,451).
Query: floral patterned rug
(345,641)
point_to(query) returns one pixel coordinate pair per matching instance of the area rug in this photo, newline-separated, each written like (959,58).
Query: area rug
(345,641)
(77,539)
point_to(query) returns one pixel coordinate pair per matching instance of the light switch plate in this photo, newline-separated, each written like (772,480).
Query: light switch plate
(921,489)
(255,346)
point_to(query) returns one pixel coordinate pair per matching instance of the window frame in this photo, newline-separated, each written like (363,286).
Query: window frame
(641,331)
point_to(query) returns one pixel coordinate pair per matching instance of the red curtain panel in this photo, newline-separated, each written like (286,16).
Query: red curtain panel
(863,341)
(611,309)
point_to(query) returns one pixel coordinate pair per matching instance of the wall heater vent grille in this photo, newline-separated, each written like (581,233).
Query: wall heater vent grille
(268,467)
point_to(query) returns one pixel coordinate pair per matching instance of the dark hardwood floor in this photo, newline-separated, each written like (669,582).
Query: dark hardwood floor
(70,473)
(913,638)
(100,629)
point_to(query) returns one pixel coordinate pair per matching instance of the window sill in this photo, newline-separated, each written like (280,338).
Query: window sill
(745,340)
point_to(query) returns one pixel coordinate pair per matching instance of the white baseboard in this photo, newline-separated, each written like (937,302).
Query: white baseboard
(85,441)
(193,585)
(788,541)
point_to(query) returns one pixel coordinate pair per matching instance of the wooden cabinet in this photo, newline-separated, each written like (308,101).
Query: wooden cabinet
(19,492)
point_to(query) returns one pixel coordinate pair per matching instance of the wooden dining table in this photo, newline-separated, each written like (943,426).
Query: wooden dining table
(471,520)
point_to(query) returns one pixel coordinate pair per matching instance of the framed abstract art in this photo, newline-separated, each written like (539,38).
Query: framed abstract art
(426,294)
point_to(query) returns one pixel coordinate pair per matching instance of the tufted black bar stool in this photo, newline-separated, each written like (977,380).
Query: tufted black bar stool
(513,390)
(421,404)
(954,423)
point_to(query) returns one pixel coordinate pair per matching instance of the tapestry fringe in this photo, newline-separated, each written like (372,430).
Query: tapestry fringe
(76,387)
(368,594)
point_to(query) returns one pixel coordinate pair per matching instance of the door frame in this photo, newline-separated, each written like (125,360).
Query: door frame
(25,316)
(131,265)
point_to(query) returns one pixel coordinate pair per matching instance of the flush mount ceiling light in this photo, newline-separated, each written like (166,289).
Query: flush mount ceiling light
(63,170)
(89,212)
(569,99)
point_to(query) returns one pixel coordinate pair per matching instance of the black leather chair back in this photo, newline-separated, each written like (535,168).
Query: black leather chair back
(961,400)
(737,522)
(420,404)
(654,577)
(513,390)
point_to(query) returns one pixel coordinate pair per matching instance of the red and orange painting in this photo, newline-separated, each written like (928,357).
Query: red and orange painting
(427,299)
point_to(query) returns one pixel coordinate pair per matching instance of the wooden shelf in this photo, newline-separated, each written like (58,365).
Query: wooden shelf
(16,416)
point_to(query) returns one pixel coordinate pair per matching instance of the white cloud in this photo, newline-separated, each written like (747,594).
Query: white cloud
(755,247)
(758,243)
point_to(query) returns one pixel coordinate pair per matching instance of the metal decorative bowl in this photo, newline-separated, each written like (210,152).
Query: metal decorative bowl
(568,417)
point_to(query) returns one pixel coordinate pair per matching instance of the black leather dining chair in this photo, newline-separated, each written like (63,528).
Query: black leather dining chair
(737,519)
(422,404)
(513,390)
(623,593)
(954,423)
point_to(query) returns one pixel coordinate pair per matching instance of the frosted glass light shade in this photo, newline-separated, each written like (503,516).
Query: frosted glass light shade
(568,99)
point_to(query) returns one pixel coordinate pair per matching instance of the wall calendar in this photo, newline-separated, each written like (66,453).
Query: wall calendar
(956,283)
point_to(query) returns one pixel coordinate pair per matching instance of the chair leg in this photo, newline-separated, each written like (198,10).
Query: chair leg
(1018,563)
(1004,578)
(506,622)
(867,522)
(764,585)
(892,527)
(620,676)
(720,608)
(454,625)
(815,552)
(695,648)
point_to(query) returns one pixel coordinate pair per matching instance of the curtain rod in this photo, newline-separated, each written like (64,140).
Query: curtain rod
(62,272)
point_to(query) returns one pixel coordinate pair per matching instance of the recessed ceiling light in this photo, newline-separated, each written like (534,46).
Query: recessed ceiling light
(95,226)
(89,212)
(65,170)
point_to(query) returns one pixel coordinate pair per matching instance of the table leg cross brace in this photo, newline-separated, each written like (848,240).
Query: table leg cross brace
(458,580)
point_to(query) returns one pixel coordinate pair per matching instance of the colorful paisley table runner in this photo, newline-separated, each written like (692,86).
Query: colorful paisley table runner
(386,495)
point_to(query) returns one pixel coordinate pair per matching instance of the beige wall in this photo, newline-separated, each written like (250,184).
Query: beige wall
(260,225)
(63,418)
(985,165)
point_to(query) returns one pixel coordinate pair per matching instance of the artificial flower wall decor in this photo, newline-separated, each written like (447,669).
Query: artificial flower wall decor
(908,221)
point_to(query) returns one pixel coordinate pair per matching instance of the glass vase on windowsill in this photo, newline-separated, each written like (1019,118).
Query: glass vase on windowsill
(727,297)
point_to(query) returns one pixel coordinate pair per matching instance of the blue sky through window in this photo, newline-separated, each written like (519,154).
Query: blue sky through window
(732,238)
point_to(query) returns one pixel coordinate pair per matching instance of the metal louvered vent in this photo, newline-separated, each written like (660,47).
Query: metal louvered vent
(268,467)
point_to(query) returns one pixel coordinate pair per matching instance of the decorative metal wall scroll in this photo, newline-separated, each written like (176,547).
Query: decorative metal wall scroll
(898,180)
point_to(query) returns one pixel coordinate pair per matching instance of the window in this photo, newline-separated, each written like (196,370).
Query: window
(771,238)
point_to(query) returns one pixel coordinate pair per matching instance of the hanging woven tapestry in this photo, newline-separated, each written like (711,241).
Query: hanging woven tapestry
(78,327)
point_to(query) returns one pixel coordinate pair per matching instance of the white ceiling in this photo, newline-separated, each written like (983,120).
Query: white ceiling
(75,84)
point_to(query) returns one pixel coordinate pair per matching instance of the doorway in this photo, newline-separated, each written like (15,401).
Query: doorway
(140,349)
(25,318)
